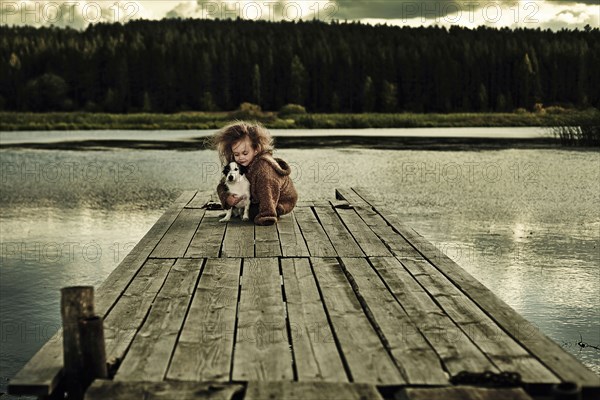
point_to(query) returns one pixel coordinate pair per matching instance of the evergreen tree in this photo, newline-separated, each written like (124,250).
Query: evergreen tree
(298,78)
(256,84)
(368,95)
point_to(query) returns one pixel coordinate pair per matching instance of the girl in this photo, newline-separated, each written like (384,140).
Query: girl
(271,188)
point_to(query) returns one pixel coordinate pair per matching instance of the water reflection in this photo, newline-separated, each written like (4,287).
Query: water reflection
(524,222)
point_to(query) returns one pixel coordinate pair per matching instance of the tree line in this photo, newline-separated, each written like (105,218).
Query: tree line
(177,65)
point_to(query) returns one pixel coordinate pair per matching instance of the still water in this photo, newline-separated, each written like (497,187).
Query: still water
(526,223)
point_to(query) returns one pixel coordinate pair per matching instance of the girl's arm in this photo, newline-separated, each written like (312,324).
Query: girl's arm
(227,200)
(268,196)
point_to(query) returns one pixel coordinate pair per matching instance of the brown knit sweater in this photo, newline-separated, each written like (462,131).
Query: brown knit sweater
(270,187)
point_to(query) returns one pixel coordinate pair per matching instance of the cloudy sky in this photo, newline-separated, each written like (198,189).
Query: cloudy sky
(553,14)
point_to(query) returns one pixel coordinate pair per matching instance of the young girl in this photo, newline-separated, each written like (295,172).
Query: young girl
(271,188)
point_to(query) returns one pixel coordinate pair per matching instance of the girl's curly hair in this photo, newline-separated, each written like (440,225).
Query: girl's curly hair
(259,136)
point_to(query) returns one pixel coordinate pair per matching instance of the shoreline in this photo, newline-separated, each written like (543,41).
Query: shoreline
(197,120)
(311,142)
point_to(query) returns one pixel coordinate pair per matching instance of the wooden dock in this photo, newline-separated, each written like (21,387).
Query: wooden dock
(338,300)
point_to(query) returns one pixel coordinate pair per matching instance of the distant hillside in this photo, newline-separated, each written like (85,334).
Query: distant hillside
(176,65)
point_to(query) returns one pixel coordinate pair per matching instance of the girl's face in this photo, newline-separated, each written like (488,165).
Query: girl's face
(243,152)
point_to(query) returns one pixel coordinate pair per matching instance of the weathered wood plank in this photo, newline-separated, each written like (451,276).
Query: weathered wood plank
(208,238)
(205,347)
(315,353)
(148,357)
(262,350)
(462,393)
(369,242)
(456,350)
(418,362)
(104,389)
(126,317)
(317,241)
(342,240)
(292,242)
(365,355)
(200,199)
(311,390)
(304,203)
(177,239)
(42,373)
(489,337)
(396,244)
(266,241)
(351,197)
(560,362)
(239,240)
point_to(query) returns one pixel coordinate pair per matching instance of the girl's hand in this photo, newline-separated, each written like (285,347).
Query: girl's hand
(233,199)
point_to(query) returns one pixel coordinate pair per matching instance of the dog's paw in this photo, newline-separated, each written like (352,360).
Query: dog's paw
(224,219)
(245,218)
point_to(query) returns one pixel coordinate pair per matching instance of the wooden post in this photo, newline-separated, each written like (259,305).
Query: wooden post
(566,391)
(76,302)
(94,351)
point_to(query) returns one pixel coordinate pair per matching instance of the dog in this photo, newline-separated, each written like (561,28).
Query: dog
(237,183)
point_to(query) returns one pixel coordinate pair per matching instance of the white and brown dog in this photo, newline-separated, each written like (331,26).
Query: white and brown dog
(237,183)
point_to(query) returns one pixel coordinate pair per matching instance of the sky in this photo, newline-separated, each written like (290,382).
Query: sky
(544,14)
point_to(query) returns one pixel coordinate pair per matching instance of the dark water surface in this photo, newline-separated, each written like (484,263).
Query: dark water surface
(526,223)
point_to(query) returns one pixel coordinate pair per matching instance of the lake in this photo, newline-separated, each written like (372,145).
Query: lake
(525,222)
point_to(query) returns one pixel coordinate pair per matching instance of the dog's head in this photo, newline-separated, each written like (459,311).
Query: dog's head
(233,171)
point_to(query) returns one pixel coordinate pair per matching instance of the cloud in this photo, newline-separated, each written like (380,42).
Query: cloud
(553,14)
(543,14)
(270,10)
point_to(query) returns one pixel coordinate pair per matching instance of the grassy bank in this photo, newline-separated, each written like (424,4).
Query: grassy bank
(15,121)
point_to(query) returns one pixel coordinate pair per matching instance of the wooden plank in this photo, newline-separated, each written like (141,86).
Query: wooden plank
(266,241)
(315,353)
(365,355)
(104,389)
(317,241)
(560,362)
(310,390)
(462,393)
(205,347)
(177,239)
(418,362)
(148,357)
(304,203)
(342,240)
(456,350)
(42,373)
(292,242)
(491,339)
(262,350)
(127,316)
(395,243)
(200,199)
(208,238)
(351,197)
(369,242)
(322,203)
(239,239)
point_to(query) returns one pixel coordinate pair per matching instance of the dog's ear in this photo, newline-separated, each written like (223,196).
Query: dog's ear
(243,169)
(226,169)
